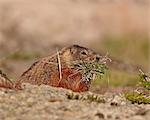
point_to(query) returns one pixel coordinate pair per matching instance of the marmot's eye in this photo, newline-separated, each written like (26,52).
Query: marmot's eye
(84,52)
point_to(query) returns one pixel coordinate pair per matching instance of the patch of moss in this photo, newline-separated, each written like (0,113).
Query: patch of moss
(88,97)
(137,98)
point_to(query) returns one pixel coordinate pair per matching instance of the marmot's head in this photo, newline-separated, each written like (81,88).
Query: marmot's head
(76,52)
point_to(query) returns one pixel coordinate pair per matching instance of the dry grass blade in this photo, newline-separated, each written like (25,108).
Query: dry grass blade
(59,65)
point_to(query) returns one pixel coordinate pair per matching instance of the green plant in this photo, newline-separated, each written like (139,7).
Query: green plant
(142,93)
(144,81)
(139,98)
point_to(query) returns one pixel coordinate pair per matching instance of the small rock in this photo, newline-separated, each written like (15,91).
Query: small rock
(100,115)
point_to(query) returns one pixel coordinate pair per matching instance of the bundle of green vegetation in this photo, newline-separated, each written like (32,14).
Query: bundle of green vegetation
(142,94)
(91,69)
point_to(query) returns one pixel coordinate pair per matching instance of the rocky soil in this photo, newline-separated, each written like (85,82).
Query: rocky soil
(49,103)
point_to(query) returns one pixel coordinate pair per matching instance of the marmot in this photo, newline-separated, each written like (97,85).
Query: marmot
(47,70)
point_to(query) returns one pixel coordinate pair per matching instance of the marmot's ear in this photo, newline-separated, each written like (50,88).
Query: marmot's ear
(73,50)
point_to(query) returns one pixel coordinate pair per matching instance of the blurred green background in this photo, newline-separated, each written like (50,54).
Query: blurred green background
(133,49)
